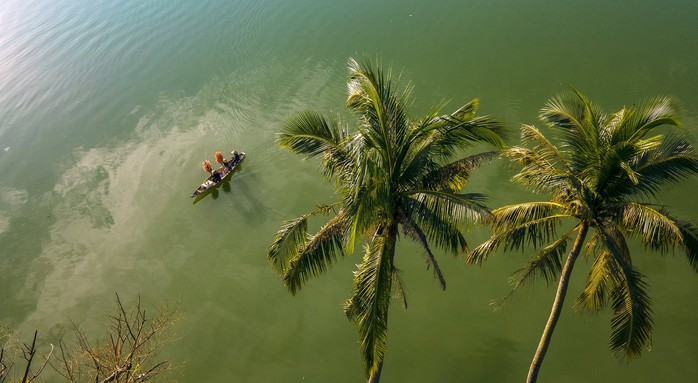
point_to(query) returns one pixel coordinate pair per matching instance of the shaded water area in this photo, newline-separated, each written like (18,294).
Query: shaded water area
(107,108)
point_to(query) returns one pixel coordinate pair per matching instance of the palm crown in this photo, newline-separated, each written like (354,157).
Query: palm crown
(600,177)
(392,172)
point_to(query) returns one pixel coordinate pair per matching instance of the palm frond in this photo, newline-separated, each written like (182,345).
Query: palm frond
(438,138)
(287,241)
(309,134)
(414,232)
(635,122)
(432,124)
(514,226)
(570,111)
(440,230)
(539,173)
(631,321)
(613,279)
(546,264)
(545,149)
(453,176)
(578,121)
(315,256)
(689,232)
(614,240)
(400,291)
(593,245)
(532,223)
(655,228)
(365,209)
(664,165)
(368,306)
(599,283)
(454,134)
(607,245)
(615,164)
(373,94)
(466,208)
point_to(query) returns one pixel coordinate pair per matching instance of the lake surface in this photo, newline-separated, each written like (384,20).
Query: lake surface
(107,109)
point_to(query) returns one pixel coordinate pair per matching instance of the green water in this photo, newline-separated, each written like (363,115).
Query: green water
(107,109)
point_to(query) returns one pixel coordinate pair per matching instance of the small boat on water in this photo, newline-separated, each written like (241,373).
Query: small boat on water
(220,174)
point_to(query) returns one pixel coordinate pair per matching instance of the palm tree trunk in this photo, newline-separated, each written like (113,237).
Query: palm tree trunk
(557,305)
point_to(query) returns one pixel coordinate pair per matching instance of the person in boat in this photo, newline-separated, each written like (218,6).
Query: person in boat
(221,161)
(208,168)
(236,156)
(215,176)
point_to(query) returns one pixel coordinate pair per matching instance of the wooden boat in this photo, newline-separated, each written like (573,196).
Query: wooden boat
(220,174)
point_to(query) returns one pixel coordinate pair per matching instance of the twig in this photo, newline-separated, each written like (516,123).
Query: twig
(43,365)
(32,351)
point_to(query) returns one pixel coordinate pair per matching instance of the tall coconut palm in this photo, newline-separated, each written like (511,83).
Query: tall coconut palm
(393,172)
(600,179)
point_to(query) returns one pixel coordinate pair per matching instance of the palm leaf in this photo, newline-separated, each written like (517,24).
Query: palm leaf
(532,223)
(453,134)
(440,230)
(319,251)
(631,321)
(414,232)
(368,306)
(689,232)
(453,176)
(655,228)
(639,120)
(530,135)
(480,253)
(667,164)
(612,279)
(515,226)
(538,173)
(400,292)
(439,138)
(606,244)
(578,121)
(287,241)
(309,134)
(373,96)
(364,211)
(598,283)
(467,208)
(547,264)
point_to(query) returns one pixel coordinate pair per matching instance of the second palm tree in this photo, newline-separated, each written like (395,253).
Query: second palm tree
(599,180)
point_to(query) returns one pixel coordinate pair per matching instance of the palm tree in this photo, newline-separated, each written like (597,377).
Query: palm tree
(393,172)
(600,179)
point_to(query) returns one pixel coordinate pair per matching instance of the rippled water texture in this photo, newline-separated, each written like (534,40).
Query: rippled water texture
(107,108)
